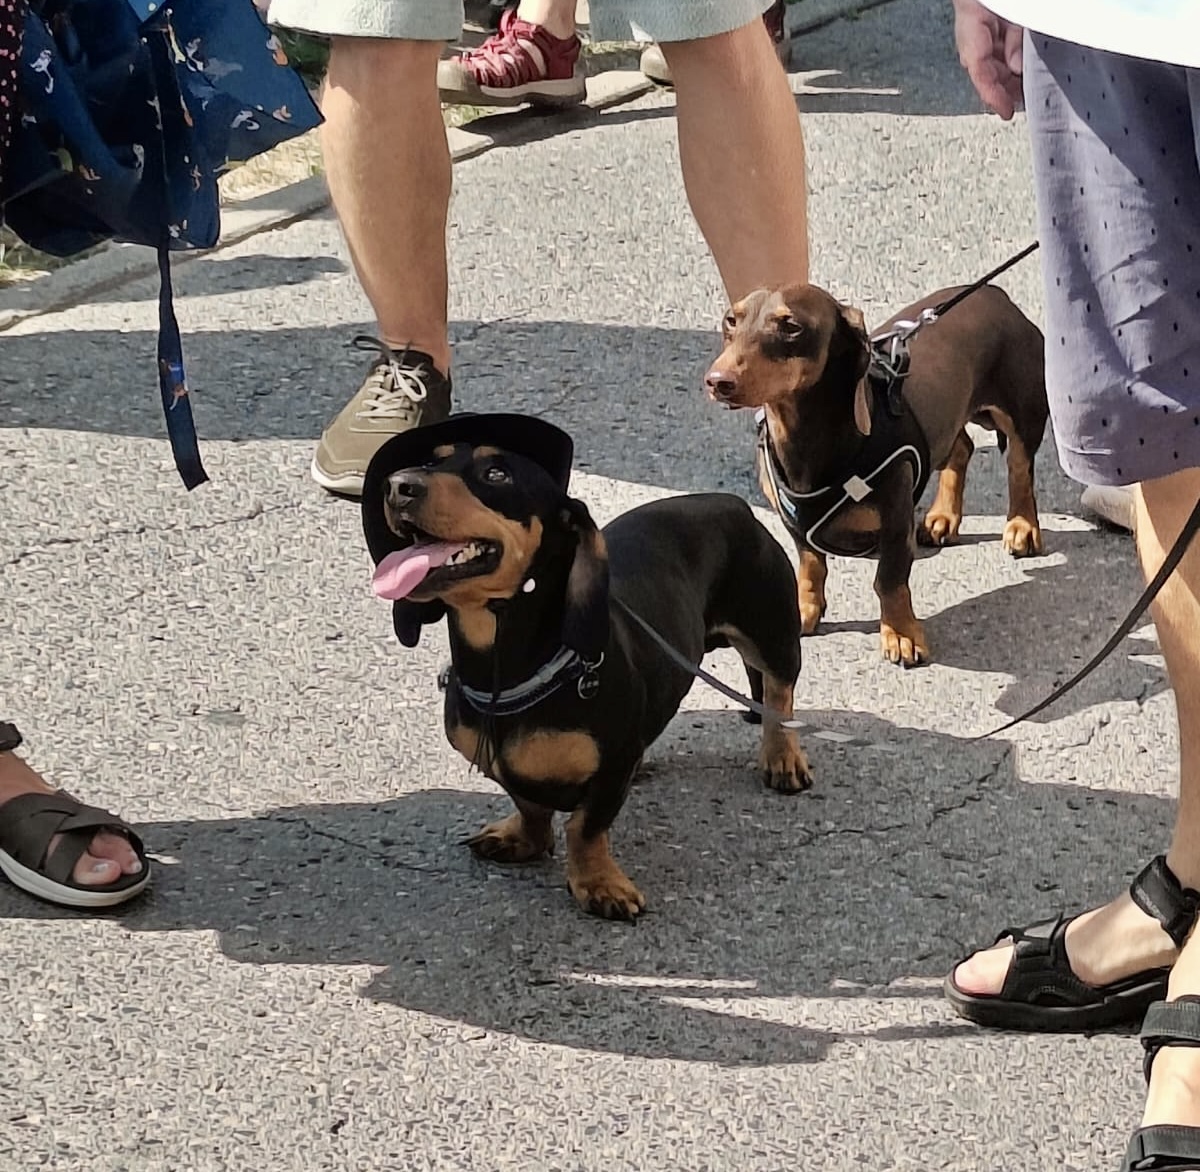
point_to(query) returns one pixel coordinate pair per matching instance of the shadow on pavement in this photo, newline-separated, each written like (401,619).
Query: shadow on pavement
(890,869)
(631,397)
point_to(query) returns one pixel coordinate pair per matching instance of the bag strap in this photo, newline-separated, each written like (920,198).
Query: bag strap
(172,381)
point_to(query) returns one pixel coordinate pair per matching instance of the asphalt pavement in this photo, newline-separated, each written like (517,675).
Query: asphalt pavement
(322,977)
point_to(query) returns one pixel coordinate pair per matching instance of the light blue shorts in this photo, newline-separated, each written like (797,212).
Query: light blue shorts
(442,20)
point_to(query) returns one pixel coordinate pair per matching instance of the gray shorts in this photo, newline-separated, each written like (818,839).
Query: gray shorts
(1118,195)
(442,20)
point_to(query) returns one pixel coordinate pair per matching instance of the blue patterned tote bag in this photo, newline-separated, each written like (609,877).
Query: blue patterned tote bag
(129,113)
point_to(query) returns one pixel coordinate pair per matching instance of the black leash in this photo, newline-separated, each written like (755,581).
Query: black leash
(1170,562)
(787,721)
(962,294)
(1173,558)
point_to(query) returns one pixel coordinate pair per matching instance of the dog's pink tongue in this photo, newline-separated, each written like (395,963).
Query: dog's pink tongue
(400,573)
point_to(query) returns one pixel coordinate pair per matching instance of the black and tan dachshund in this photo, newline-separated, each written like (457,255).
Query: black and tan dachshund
(844,466)
(553,691)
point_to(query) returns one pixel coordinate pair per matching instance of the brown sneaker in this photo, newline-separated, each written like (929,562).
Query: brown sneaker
(654,65)
(402,390)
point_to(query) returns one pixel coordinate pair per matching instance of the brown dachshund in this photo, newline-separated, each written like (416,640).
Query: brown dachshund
(844,455)
(553,690)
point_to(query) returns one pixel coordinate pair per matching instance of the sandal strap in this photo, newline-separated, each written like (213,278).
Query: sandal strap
(1165,1146)
(29,822)
(1159,894)
(1040,970)
(1169,1023)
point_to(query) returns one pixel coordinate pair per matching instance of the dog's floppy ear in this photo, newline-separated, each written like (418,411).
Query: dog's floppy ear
(585,619)
(409,617)
(854,327)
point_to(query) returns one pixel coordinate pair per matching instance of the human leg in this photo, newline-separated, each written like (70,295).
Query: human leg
(1123,371)
(742,153)
(654,64)
(389,172)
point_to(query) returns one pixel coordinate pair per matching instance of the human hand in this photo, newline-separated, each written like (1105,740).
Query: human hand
(989,49)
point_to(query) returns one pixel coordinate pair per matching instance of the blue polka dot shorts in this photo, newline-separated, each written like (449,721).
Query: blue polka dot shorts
(1115,146)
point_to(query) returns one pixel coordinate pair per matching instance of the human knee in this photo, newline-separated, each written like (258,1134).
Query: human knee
(380,65)
(731,54)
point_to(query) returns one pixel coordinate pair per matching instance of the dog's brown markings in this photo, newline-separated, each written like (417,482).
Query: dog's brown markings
(444,451)
(569,757)
(590,559)
(466,741)
(451,512)
(1023,533)
(477,625)
(520,838)
(595,880)
(768,487)
(811,576)
(484,451)
(762,380)
(941,523)
(901,636)
(858,518)
(784,764)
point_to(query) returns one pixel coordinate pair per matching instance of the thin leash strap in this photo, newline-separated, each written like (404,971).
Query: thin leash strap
(771,714)
(1173,558)
(487,739)
(962,294)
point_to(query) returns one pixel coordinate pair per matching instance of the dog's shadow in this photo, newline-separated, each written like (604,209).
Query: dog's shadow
(902,857)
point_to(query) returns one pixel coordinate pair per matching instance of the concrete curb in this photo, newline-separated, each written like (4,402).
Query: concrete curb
(115,265)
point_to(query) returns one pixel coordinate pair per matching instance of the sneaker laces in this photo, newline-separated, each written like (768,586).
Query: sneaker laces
(393,390)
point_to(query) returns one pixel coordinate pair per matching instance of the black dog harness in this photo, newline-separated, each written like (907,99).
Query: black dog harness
(895,436)
(564,667)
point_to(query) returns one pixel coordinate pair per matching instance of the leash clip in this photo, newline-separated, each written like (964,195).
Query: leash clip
(589,681)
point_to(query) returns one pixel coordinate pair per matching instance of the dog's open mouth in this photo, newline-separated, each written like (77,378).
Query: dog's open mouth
(431,561)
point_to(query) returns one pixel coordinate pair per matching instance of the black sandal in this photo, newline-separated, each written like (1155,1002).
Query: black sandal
(1166,1147)
(29,824)
(1042,993)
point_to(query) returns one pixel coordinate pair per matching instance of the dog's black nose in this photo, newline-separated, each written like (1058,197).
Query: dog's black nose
(720,384)
(405,487)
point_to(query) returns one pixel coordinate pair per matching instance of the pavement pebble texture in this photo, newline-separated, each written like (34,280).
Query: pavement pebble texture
(322,978)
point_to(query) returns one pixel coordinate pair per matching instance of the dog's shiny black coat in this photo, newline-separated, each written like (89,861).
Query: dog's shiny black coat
(701,569)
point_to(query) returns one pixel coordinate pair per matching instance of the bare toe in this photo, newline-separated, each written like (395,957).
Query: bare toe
(982,974)
(117,848)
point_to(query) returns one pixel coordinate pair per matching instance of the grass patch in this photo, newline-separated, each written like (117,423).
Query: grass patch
(19,262)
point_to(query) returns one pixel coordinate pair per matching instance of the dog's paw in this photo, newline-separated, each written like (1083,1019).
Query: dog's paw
(907,647)
(608,893)
(511,840)
(785,766)
(1022,538)
(939,529)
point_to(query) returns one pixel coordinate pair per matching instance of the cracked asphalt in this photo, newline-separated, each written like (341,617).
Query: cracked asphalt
(322,977)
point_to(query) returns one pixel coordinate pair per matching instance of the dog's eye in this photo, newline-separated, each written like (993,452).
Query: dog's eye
(730,320)
(497,475)
(789,327)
